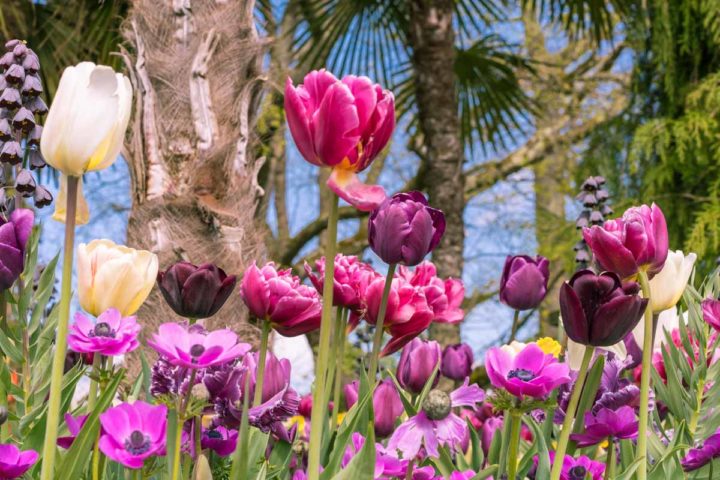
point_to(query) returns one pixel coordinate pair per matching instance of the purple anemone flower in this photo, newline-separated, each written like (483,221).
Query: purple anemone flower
(74,425)
(621,423)
(132,432)
(220,440)
(530,372)
(193,348)
(386,465)
(436,424)
(14,462)
(110,334)
(581,468)
(703,453)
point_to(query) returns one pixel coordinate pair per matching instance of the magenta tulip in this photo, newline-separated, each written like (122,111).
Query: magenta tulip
(599,310)
(277,296)
(457,361)
(711,312)
(133,432)
(524,281)
(621,423)
(530,372)
(703,453)
(387,405)
(110,334)
(341,124)
(195,291)
(417,362)
(637,240)
(14,234)
(445,297)
(404,229)
(351,279)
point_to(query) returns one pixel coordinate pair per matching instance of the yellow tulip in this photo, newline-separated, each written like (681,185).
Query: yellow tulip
(114,276)
(86,124)
(82,212)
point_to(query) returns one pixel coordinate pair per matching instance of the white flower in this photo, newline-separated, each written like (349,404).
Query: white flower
(667,287)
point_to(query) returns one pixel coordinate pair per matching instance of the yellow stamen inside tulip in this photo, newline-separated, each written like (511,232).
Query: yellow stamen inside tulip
(550,345)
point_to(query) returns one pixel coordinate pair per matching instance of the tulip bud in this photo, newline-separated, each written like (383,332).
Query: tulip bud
(417,362)
(404,229)
(667,287)
(524,280)
(25,183)
(195,292)
(86,124)
(387,408)
(489,427)
(457,361)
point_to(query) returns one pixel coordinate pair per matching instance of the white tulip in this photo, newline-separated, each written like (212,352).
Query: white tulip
(667,287)
(86,124)
(668,320)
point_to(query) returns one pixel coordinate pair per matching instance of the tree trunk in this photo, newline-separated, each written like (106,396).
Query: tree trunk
(432,39)
(195,67)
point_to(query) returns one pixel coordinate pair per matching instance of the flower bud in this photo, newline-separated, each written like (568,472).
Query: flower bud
(25,183)
(667,287)
(524,280)
(34,138)
(457,361)
(387,407)
(42,197)
(417,362)
(7,60)
(195,291)
(20,50)
(31,63)
(437,405)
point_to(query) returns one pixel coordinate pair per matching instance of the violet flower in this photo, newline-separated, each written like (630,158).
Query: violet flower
(404,229)
(15,462)
(277,296)
(615,390)
(350,280)
(195,291)
(638,240)
(489,428)
(387,405)
(74,425)
(110,334)
(621,423)
(581,468)
(524,281)
(530,372)
(436,424)
(190,348)
(599,310)
(14,234)
(457,361)
(445,297)
(219,439)
(133,432)
(702,454)
(417,362)
(711,312)
(386,465)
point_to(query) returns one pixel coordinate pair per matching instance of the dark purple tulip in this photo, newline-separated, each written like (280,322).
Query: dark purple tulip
(599,310)
(524,280)
(195,291)
(702,454)
(457,361)
(637,240)
(417,362)
(404,228)
(14,234)
(621,423)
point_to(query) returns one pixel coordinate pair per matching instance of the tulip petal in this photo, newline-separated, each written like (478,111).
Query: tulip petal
(336,123)
(573,316)
(610,253)
(348,186)
(298,119)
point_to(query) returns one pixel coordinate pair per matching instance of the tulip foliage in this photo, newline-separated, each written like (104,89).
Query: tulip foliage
(630,391)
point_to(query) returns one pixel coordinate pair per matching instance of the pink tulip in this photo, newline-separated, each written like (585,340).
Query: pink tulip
(341,124)
(444,296)
(351,279)
(408,312)
(277,296)
(637,240)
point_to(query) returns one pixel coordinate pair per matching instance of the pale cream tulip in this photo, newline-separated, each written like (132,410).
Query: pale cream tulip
(667,287)
(514,347)
(82,212)
(116,276)
(86,124)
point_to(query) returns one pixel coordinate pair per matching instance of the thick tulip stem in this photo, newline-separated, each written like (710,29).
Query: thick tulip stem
(326,324)
(262,358)
(570,414)
(515,325)
(513,447)
(645,379)
(53,414)
(379,324)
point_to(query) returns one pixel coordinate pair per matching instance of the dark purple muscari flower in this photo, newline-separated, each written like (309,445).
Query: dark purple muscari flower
(599,310)
(195,291)
(14,234)
(74,425)
(621,423)
(404,228)
(524,280)
(703,453)
(417,362)
(457,361)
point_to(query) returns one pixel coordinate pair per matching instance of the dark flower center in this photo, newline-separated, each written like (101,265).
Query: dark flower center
(578,472)
(214,434)
(197,350)
(521,374)
(437,405)
(137,443)
(102,329)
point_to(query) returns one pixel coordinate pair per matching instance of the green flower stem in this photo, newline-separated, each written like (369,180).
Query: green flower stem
(570,414)
(240,456)
(645,379)
(340,339)
(515,325)
(53,414)
(92,393)
(135,474)
(182,410)
(692,426)
(262,357)
(610,460)
(99,362)
(326,324)
(198,435)
(513,447)
(379,327)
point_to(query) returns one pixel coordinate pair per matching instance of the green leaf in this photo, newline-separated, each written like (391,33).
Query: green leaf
(76,458)
(543,469)
(9,348)
(587,398)
(404,398)
(483,474)
(42,294)
(477,451)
